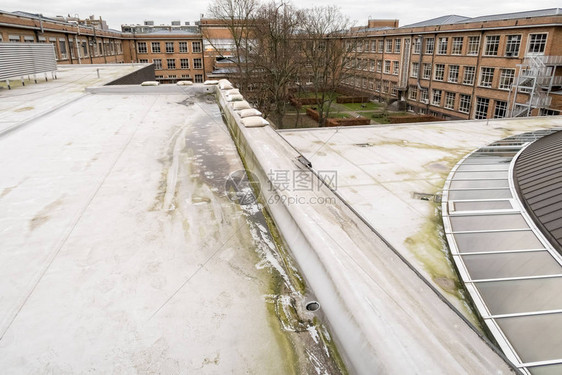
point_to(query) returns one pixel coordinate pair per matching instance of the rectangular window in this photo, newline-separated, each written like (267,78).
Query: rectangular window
(388,46)
(436,98)
(537,43)
(473,45)
(481,108)
(155,47)
(450,100)
(157,64)
(512,45)
(141,47)
(372,65)
(417,45)
(197,64)
(426,74)
(185,76)
(492,45)
(62,49)
(373,46)
(184,63)
(393,89)
(464,103)
(415,70)
(377,86)
(169,47)
(423,95)
(468,78)
(172,76)
(143,61)
(359,46)
(85,48)
(381,46)
(171,63)
(379,65)
(486,77)
(453,73)
(364,83)
(387,66)
(429,45)
(196,47)
(500,110)
(413,93)
(457,45)
(506,78)
(396,67)
(14,38)
(439,72)
(442,48)
(183,47)
(397,45)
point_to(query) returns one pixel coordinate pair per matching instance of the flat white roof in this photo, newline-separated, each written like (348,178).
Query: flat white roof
(120,251)
(380,168)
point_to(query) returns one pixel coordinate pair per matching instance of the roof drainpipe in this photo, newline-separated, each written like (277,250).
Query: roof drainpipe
(420,37)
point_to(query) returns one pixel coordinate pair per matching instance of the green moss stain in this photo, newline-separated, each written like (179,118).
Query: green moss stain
(331,346)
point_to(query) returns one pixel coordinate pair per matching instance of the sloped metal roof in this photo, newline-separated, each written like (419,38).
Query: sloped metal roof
(443,20)
(509,16)
(538,179)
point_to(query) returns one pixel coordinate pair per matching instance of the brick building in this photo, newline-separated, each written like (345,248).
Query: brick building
(176,55)
(452,66)
(74,43)
(465,68)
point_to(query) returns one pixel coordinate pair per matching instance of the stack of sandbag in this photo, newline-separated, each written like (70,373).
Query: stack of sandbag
(250,117)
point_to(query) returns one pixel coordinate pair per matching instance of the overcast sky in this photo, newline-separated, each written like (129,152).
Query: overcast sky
(358,11)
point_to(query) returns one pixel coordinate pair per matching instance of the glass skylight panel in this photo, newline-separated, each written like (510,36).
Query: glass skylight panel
(546,370)
(522,296)
(481,174)
(483,167)
(479,194)
(497,266)
(497,241)
(478,184)
(484,205)
(481,159)
(487,222)
(535,338)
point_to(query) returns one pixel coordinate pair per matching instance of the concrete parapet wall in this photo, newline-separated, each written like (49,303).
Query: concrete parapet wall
(385,318)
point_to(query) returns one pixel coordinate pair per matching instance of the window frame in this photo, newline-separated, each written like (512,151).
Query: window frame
(508,44)
(455,48)
(492,49)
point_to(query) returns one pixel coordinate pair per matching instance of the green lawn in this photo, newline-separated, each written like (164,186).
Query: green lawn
(310,94)
(361,106)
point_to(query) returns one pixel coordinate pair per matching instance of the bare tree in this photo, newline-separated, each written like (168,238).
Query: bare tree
(274,56)
(329,50)
(236,16)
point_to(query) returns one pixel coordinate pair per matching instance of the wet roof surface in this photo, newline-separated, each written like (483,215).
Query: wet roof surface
(512,272)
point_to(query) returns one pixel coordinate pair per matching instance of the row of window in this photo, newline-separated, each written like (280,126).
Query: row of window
(449,101)
(79,48)
(390,67)
(171,63)
(460,45)
(486,77)
(197,78)
(439,98)
(169,47)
